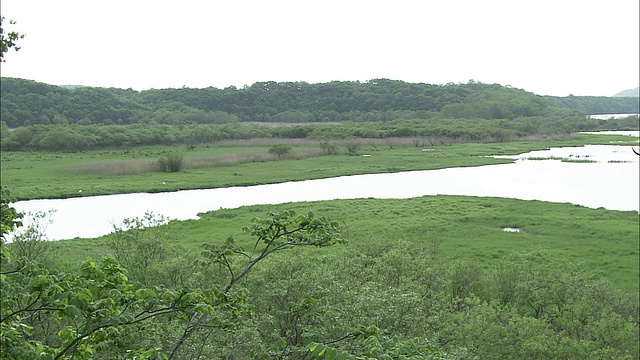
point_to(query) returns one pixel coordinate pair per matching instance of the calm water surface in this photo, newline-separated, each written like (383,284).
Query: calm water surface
(611,116)
(611,182)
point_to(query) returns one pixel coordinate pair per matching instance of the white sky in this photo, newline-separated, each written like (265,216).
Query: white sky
(549,47)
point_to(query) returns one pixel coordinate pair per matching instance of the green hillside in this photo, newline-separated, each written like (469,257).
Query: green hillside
(26,102)
(628,93)
(596,104)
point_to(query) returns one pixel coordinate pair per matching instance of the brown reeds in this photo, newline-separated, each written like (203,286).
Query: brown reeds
(133,167)
(244,158)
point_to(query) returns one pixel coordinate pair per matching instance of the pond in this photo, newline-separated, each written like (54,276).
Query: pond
(611,116)
(592,176)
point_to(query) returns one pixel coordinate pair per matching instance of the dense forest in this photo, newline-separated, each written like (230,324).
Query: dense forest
(27,102)
(596,104)
(38,116)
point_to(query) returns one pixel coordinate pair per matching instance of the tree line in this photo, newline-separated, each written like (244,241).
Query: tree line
(26,102)
(596,104)
(74,137)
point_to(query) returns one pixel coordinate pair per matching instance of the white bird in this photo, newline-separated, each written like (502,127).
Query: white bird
(164,183)
(80,190)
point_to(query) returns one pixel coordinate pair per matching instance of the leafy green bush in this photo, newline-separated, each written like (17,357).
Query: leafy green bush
(280,149)
(170,163)
(329,147)
(352,147)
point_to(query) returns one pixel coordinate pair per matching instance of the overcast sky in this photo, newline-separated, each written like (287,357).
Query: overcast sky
(549,47)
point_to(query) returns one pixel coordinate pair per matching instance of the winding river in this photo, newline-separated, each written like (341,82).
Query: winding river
(595,176)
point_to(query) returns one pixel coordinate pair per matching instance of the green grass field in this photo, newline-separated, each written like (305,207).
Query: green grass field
(451,227)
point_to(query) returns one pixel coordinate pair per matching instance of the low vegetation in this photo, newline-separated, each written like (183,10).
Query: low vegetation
(280,150)
(170,163)
(431,277)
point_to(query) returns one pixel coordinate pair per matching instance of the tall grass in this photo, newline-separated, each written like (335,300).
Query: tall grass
(245,158)
(133,167)
(266,142)
(129,167)
(386,142)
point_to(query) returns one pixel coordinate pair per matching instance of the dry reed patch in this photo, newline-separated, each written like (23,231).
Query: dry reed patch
(131,167)
(303,154)
(268,142)
(225,160)
(134,167)
(244,158)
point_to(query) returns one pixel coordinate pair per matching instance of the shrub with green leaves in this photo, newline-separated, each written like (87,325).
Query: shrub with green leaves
(280,150)
(170,163)
(98,312)
(329,147)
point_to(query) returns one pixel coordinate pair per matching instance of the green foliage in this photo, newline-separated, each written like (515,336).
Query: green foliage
(93,310)
(596,104)
(377,348)
(98,312)
(30,242)
(280,150)
(430,322)
(329,147)
(140,244)
(279,231)
(8,40)
(9,217)
(352,146)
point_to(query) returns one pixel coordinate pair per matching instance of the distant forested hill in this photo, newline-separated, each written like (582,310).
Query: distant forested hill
(26,102)
(629,93)
(596,104)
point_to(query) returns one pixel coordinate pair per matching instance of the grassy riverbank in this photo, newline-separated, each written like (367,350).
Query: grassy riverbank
(31,175)
(451,228)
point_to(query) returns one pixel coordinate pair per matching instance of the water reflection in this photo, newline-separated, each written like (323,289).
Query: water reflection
(611,181)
